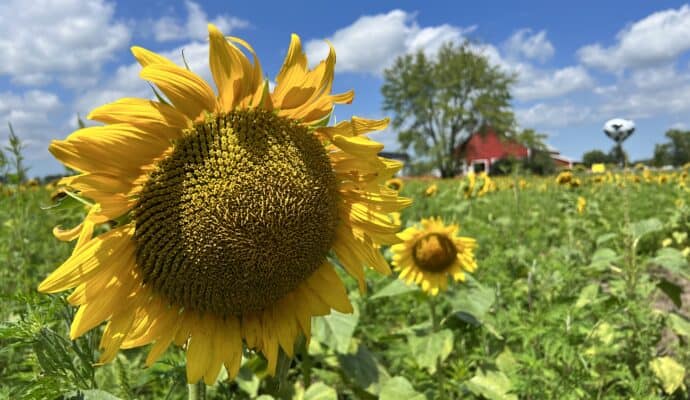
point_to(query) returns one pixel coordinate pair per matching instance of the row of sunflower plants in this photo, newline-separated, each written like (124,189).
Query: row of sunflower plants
(566,302)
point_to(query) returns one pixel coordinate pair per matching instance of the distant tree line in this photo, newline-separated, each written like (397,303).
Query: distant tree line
(675,152)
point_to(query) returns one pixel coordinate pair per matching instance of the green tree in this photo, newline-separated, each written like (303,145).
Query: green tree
(595,157)
(618,155)
(438,103)
(680,146)
(662,155)
(531,139)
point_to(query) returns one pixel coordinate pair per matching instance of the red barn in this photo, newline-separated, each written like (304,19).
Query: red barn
(483,150)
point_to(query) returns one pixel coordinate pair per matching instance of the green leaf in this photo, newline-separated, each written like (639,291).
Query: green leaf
(605,238)
(394,288)
(669,372)
(363,369)
(587,295)
(399,388)
(494,385)
(671,290)
(603,258)
(427,350)
(506,362)
(639,229)
(319,391)
(673,260)
(335,330)
(475,300)
(679,325)
(248,382)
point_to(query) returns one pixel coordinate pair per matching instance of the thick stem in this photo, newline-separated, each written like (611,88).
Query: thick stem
(196,391)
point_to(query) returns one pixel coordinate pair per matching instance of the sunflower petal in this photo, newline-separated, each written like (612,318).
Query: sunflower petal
(186,90)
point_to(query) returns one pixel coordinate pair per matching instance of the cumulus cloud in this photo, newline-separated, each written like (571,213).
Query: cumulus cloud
(543,115)
(373,42)
(529,46)
(67,40)
(169,28)
(671,99)
(32,114)
(656,39)
(534,84)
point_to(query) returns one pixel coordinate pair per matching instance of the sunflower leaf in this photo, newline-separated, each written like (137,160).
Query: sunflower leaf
(492,384)
(430,349)
(363,369)
(669,372)
(399,388)
(395,288)
(335,330)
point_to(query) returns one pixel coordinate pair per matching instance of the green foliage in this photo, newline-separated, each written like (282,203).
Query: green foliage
(16,174)
(562,305)
(595,157)
(617,155)
(675,152)
(438,103)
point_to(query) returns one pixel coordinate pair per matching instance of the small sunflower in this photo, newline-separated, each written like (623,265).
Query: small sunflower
(581,204)
(431,190)
(227,204)
(564,178)
(396,184)
(427,256)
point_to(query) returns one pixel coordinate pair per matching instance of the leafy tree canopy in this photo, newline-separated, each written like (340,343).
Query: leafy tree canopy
(438,103)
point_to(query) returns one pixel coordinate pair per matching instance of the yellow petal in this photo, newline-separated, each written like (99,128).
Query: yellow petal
(108,252)
(328,286)
(235,78)
(199,349)
(147,57)
(358,145)
(117,150)
(113,335)
(150,115)
(190,94)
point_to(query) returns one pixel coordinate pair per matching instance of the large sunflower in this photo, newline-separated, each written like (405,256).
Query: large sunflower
(227,206)
(427,256)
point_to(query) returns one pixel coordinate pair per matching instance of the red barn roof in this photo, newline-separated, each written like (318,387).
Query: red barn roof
(483,150)
(490,146)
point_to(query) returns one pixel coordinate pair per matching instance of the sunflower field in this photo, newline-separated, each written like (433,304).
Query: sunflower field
(581,290)
(226,241)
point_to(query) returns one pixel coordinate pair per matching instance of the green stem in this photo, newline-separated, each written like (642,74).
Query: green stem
(196,391)
(278,385)
(306,363)
(435,323)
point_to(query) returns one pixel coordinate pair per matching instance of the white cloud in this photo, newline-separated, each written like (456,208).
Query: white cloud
(670,99)
(67,40)
(373,42)
(544,84)
(657,78)
(530,46)
(656,39)
(544,115)
(168,28)
(33,115)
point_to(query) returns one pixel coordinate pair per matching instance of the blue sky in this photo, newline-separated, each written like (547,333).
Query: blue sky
(578,64)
